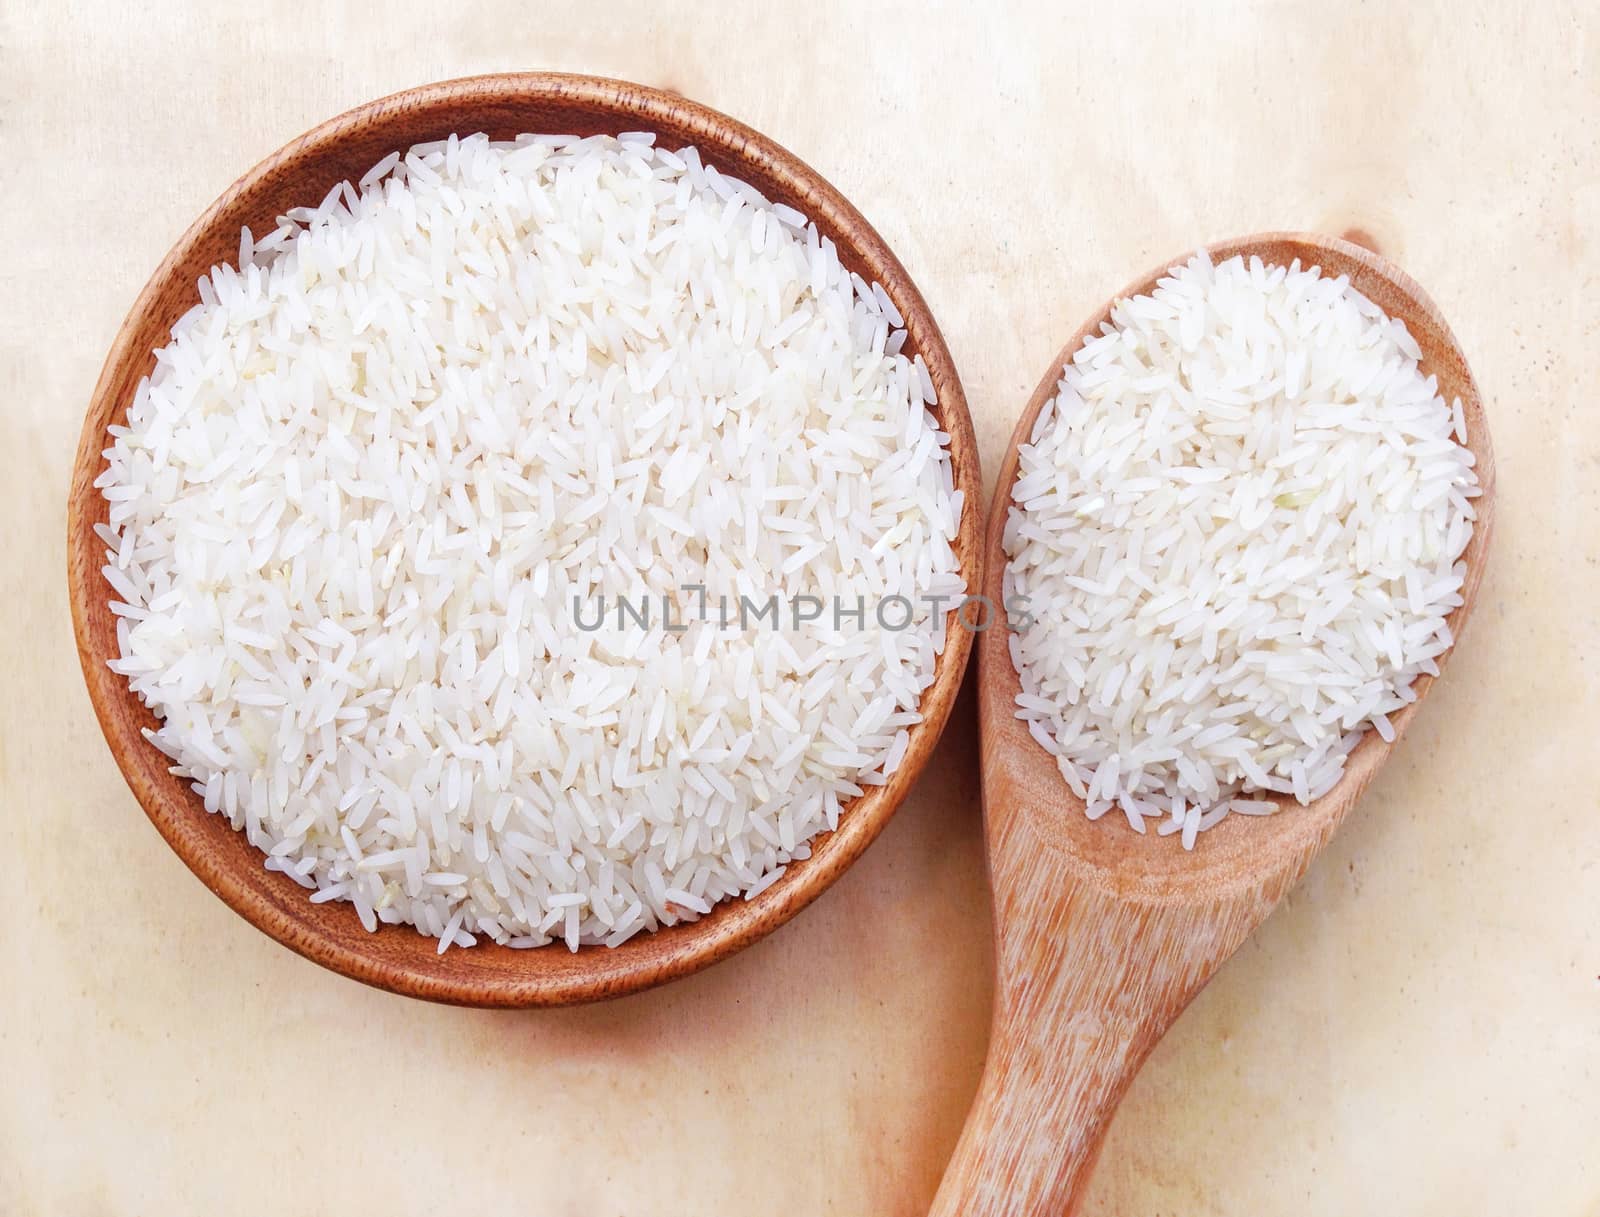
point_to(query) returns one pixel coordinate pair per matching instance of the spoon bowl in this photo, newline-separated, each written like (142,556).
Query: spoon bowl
(301,173)
(1103,935)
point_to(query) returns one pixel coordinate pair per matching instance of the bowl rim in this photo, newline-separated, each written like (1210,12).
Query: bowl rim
(489,975)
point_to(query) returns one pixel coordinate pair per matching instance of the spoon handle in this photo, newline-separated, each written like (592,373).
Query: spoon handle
(1086,983)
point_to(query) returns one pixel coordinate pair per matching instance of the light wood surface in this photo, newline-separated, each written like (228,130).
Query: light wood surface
(1103,936)
(1416,1029)
(300,174)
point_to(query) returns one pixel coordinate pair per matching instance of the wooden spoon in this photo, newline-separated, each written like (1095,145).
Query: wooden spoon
(1102,935)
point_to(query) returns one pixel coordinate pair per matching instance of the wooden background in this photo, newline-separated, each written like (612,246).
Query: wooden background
(1417,1031)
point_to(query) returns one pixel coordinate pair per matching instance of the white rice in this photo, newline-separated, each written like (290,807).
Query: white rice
(352,508)
(1237,530)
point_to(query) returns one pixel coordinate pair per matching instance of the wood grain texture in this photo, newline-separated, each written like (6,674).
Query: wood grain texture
(1103,935)
(301,173)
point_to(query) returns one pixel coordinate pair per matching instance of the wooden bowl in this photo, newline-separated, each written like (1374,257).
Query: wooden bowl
(301,173)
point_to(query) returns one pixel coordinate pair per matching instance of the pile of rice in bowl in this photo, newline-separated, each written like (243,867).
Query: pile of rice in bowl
(502,542)
(1237,531)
